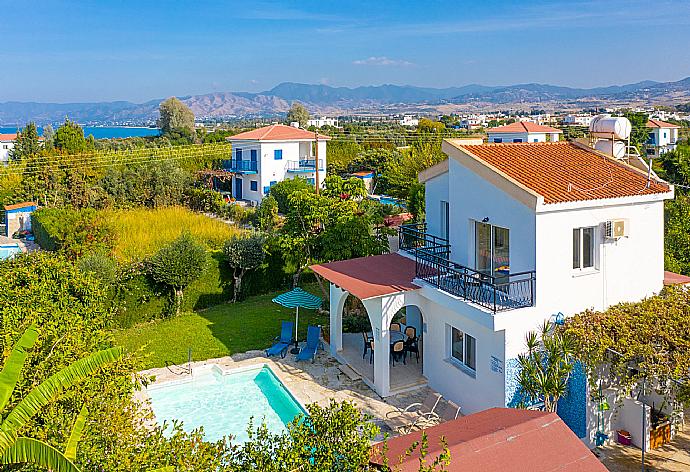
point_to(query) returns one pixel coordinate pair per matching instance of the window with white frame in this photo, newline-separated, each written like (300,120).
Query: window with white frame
(463,348)
(584,244)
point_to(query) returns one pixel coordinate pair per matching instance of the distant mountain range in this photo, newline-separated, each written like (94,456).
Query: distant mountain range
(324,99)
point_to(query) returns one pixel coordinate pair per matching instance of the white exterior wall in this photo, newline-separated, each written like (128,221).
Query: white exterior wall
(436,191)
(526,137)
(5,147)
(271,170)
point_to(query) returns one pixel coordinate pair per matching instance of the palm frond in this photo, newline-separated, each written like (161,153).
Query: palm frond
(33,451)
(51,387)
(15,363)
(75,435)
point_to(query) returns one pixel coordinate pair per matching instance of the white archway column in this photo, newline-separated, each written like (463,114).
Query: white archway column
(337,303)
(381,311)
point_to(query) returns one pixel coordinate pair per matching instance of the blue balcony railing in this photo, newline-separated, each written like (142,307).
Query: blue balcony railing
(497,293)
(236,165)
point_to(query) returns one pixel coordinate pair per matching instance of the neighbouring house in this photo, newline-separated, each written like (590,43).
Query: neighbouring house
(409,120)
(663,137)
(6,144)
(496,440)
(367,177)
(577,120)
(265,156)
(322,121)
(523,132)
(18,217)
(515,234)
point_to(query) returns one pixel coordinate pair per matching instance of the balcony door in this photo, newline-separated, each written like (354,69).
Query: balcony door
(492,250)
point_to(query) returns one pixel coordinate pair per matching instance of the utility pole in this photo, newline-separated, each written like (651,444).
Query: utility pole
(316,160)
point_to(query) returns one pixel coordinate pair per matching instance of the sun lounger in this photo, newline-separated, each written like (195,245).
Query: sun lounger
(313,340)
(283,341)
(407,419)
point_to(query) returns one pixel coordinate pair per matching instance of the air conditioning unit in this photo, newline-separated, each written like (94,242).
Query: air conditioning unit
(616,229)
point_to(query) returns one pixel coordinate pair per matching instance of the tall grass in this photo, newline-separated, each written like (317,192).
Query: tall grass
(139,233)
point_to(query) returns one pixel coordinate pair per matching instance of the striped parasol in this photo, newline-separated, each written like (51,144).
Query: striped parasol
(298,298)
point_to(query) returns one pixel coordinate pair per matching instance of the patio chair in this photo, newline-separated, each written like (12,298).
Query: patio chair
(410,332)
(282,342)
(371,351)
(398,351)
(395,327)
(405,420)
(445,411)
(412,346)
(367,343)
(313,341)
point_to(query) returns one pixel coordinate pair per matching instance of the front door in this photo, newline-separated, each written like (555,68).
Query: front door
(238,188)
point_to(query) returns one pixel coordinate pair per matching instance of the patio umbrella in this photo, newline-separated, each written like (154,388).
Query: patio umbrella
(298,298)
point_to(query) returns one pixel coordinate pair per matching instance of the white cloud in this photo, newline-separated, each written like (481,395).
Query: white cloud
(382,61)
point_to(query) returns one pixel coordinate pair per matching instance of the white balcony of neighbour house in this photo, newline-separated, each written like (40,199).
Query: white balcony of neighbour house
(496,292)
(305,164)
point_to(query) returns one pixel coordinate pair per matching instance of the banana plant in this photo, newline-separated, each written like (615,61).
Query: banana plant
(15,449)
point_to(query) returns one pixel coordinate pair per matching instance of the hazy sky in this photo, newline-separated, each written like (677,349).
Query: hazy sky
(140,50)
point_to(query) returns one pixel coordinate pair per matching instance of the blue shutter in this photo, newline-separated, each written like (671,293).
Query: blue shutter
(238,154)
(277,154)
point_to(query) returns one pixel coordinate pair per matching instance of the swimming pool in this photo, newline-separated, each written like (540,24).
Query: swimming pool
(223,403)
(9,250)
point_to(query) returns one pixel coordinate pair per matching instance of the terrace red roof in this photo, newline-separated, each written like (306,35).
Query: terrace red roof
(276,133)
(671,278)
(373,276)
(497,440)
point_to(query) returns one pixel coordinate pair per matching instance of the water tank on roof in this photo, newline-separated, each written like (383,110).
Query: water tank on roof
(607,126)
(612,148)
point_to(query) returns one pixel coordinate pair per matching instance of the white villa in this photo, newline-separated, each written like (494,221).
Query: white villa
(662,137)
(515,234)
(268,155)
(322,121)
(523,132)
(6,144)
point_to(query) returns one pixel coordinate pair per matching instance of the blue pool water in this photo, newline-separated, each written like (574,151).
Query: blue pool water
(223,404)
(9,250)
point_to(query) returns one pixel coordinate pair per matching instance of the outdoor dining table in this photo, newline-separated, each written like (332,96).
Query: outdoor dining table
(395,336)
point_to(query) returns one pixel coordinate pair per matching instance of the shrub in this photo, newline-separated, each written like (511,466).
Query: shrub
(73,232)
(282,191)
(203,199)
(177,265)
(99,265)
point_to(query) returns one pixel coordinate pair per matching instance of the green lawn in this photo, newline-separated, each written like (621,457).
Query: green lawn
(218,331)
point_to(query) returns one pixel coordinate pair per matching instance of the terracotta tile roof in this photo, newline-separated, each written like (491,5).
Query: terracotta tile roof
(671,278)
(523,127)
(660,124)
(374,276)
(497,440)
(8,136)
(565,172)
(16,206)
(277,133)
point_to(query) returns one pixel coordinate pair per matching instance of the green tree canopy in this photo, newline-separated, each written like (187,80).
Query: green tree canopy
(27,143)
(69,138)
(175,117)
(283,189)
(298,113)
(244,253)
(178,264)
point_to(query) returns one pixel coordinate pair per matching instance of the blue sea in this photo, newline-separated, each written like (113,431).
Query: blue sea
(102,132)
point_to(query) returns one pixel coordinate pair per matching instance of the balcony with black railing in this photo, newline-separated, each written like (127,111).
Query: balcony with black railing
(240,165)
(497,293)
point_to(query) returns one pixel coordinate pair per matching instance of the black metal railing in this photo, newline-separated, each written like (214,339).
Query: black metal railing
(501,292)
(240,165)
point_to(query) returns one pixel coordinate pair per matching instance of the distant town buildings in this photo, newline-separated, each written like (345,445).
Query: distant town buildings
(523,132)
(577,120)
(322,121)
(409,120)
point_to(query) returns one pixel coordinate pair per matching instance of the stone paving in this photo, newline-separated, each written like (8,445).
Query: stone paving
(317,382)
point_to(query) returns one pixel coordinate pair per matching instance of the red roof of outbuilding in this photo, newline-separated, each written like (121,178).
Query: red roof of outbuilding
(565,172)
(660,124)
(276,133)
(498,440)
(373,276)
(671,278)
(523,127)
(20,205)
(8,136)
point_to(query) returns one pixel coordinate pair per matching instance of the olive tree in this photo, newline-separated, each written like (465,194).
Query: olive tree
(177,265)
(243,253)
(298,113)
(175,116)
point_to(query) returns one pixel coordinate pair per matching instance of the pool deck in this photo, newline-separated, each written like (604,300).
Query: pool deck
(317,382)
(24,245)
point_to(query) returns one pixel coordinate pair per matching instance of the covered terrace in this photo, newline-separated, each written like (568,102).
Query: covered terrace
(385,285)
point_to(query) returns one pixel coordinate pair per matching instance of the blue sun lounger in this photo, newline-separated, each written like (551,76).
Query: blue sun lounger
(283,341)
(313,340)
